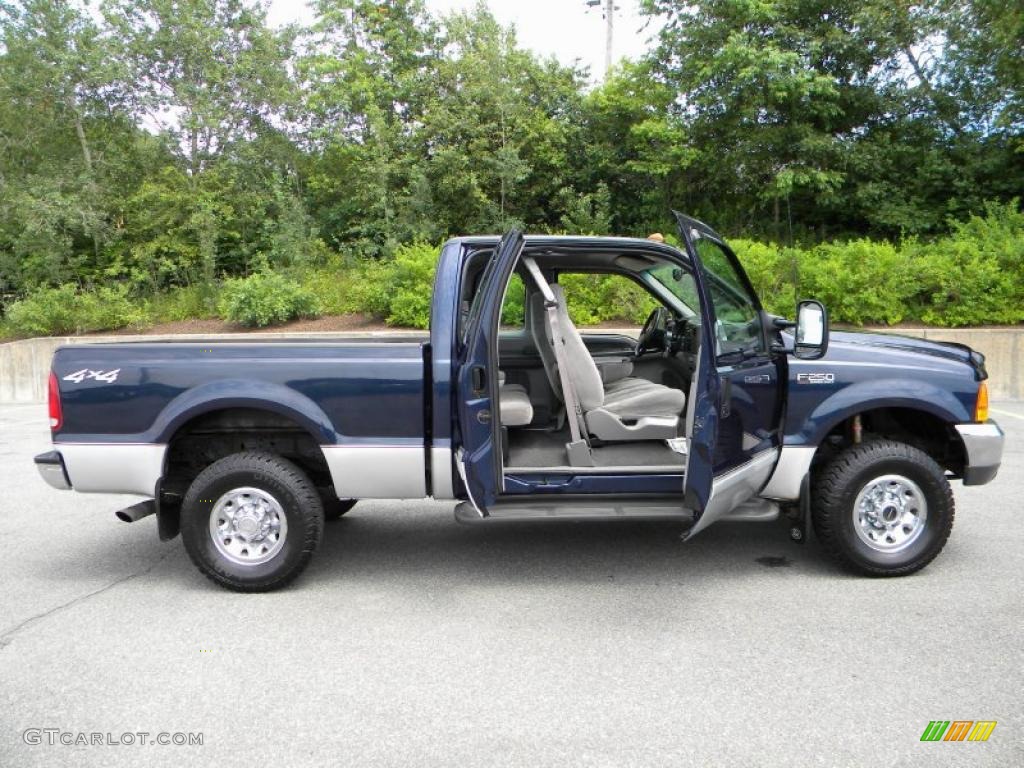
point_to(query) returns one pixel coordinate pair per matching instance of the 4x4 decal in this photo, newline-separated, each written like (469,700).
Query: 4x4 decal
(107,377)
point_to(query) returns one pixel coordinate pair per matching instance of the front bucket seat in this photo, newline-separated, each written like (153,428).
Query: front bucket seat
(614,409)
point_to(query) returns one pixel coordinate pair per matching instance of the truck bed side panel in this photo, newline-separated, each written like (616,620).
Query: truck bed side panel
(363,402)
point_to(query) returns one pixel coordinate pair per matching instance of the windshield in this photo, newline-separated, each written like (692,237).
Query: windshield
(679,283)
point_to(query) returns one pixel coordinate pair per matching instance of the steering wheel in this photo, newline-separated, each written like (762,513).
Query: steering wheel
(652,336)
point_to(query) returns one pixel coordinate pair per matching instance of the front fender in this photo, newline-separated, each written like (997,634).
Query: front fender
(878,393)
(243,393)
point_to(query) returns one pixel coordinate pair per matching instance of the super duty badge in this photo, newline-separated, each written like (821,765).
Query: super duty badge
(815,378)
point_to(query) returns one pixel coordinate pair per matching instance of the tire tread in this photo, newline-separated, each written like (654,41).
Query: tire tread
(830,485)
(285,472)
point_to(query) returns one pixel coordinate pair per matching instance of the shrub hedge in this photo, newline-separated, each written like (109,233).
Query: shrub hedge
(69,309)
(973,276)
(265,298)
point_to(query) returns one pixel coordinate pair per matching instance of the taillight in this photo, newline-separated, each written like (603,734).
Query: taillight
(981,404)
(53,397)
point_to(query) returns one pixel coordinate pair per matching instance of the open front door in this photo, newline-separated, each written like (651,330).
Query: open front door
(478,453)
(736,417)
(702,418)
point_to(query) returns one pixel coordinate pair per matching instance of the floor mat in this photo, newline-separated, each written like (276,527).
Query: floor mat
(535,448)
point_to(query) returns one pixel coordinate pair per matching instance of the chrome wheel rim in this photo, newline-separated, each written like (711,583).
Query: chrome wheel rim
(890,513)
(248,526)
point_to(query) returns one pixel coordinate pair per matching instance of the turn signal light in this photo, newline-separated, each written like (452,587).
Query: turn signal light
(981,406)
(56,413)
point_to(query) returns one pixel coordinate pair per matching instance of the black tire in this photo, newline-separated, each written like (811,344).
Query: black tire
(290,488)
(334,507)
(834,495)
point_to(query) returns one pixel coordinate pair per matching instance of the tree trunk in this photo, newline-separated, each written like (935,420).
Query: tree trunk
(935,97)
(91,182)
(83,142)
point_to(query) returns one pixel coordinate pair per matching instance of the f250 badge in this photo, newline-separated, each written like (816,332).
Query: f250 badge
(815,378)
(107,377)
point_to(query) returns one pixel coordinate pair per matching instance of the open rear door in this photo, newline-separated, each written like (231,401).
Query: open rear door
(478,452)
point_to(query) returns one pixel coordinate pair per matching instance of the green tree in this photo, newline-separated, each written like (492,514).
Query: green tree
(211,78)
(498,129)
(367,74)
(62,143)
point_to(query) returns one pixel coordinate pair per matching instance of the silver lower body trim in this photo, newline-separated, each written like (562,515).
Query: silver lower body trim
(794,464)
(441,472)
(983,444)
(113,467)
(377,471)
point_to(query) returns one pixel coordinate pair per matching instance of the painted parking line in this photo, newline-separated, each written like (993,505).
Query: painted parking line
(1007,413)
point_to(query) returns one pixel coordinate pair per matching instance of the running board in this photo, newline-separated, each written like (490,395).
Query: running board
(753,510)
(576,509)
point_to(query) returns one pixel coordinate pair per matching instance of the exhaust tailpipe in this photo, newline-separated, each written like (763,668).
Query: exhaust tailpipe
(136,512)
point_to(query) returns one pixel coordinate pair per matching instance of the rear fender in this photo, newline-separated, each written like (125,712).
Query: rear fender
(244,393)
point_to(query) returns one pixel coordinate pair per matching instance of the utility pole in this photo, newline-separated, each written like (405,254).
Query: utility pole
(608,12)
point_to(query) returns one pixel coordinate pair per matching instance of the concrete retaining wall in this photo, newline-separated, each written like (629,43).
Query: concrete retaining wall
(25,365)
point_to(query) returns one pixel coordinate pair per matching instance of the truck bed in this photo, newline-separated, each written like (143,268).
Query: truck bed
(355,389)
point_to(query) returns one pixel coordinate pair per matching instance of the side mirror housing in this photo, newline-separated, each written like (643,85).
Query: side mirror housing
(811,330)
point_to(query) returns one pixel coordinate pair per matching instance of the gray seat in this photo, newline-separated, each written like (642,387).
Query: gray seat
(626,408)
(514,406)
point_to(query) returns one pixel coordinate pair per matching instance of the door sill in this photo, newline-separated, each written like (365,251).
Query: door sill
(631,469)
(626,508)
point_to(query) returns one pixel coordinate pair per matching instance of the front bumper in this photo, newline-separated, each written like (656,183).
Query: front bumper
(984,447)
(51,469)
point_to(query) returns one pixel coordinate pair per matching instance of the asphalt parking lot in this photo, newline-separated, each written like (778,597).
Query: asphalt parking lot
(412,640)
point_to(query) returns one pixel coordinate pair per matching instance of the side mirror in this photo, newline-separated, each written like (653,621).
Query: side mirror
(811,330)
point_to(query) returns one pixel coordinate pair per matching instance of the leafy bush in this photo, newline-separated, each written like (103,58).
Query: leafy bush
(398,290)
(68,309)
(184,303)
(973,276)
(266,298)
(771,270)
(407,285)
(860,281)
(595,299)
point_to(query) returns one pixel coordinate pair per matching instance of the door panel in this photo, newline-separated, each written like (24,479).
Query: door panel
(608,344)
(518,349)
(749,413)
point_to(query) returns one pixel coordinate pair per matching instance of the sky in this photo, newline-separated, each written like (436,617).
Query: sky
(567,29)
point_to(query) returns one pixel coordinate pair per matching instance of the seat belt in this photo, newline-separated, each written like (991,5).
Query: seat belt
(578,450)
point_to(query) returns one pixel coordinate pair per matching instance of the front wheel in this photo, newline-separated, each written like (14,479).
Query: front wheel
(882,508)
(251,521)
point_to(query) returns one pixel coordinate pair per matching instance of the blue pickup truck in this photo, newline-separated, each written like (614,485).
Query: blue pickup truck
(716,411)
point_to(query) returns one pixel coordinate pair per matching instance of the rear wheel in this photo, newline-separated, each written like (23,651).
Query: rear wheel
(883,508)
(251,521)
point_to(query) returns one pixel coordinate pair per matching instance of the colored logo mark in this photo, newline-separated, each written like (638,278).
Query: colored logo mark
(958,730)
